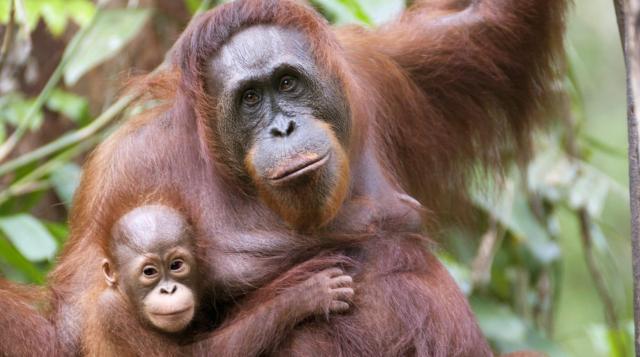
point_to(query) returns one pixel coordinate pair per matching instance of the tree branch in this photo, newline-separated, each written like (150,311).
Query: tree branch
(627,14)
(74,137)
(7,41)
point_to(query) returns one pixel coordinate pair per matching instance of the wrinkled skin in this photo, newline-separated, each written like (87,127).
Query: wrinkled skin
(285,124)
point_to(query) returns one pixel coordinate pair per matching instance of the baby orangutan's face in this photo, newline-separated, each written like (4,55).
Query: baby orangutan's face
(154,266)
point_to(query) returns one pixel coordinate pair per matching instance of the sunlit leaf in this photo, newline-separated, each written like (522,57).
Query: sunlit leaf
(29,236)
(55,16)
(609,342)
(65,181)
(112,30)
(380,11)
(357,10)
(4,11)
(343,11)
(55,13)
(33,9)
(81,11)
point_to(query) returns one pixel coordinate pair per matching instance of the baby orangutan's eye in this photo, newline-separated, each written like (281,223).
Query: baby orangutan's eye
(176,265)
(149,271)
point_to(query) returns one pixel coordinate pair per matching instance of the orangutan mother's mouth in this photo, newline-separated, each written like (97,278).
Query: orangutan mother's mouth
(299,167)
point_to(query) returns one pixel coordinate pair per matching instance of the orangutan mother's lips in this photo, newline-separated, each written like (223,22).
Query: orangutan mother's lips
(298,166)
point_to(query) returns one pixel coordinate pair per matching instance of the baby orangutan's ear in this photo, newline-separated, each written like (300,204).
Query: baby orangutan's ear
(110,276)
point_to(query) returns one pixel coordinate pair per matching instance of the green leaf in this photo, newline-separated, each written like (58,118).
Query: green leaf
(368,12)
(14,108)
(81,11)
(511,209)
(192,5)
(356,9)
(460,273)
(55,13)
(33,11)
(71,105)
(4,11)
(55,16)
(599,239)
(534,341)
(343,12)
(65,181)
(59,231)
(110,32)
(575,182)
(381,11)
(589,191)
(608,342)
(498,322)
(606,148)
(12,257)
(29,236)
(550,173)
(508,331)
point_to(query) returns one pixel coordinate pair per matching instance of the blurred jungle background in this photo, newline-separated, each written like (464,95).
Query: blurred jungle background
(546,262)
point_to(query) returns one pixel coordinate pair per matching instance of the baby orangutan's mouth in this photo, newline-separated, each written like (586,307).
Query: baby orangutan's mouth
(165,313)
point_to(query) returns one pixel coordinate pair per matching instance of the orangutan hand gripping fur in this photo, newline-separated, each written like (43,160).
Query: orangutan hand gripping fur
(286,139)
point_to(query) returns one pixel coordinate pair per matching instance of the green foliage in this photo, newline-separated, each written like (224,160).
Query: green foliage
(530,218)
(65,180)
(28,245)
(14,107)
(110,31)
(55,13)
(360,11)
(614,343)
(29,236)
(509,331)
(71,105)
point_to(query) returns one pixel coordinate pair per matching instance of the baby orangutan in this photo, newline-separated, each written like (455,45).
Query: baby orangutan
(155,266)
(153,303)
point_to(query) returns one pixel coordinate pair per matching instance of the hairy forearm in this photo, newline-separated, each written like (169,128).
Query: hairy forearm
(466,81)
(253,332)
(23,329)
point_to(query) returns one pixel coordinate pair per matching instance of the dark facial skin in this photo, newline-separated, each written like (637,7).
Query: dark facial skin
(284,124)
(154,266)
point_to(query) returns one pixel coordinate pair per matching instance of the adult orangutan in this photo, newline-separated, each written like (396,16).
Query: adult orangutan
(288,139)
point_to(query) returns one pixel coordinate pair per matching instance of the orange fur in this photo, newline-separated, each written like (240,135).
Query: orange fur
(447,85)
